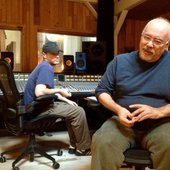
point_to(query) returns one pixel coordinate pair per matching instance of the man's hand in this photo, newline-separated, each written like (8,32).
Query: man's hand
(125,117)
(60,97)
(71,102)
(143,112)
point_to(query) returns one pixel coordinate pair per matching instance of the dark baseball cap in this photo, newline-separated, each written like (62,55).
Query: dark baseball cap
(51,47)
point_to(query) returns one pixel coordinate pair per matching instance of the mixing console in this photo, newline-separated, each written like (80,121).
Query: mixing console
(79,88)
(21,80)
(79,85)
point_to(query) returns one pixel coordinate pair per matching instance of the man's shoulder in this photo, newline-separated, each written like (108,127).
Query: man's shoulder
(127,56)
(166,53)
(132,53)
(44,65)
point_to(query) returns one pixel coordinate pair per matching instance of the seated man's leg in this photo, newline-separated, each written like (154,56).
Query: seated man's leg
(77,126)
(108,145)
(158,143)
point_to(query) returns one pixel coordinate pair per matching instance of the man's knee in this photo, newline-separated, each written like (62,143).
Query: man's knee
(101,140)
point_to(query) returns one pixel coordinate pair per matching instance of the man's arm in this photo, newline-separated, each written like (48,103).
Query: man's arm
(106,100)
(42,89)
(124,115)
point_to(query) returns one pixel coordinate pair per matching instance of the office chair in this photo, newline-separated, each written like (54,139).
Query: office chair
(134,157)
(138,158)
(18,121)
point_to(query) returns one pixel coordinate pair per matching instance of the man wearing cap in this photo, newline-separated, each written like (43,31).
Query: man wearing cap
(41,83)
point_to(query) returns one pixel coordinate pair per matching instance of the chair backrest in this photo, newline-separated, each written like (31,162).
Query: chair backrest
(11,97)
(8,86)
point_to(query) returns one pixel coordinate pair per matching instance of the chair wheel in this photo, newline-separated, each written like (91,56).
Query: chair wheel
(31,157)
(2,159)
(56,165)
(59,152)
(15,168)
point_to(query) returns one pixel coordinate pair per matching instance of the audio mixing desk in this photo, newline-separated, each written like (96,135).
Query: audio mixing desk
(78,85)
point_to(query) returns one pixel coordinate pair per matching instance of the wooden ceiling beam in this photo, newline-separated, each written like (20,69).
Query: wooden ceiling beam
(88,4)
(90,7)
(121,5)
(90,1)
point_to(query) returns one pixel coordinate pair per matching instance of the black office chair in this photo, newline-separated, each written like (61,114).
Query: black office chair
(137,157)
(18,121)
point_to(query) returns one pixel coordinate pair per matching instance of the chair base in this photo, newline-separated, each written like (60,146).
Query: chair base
(31,148)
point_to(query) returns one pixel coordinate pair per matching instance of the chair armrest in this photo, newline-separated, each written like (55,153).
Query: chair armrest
(22,109)
(93,103)
(46,98)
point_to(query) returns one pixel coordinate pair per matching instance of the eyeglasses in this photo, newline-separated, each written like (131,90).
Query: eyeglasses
(155,41)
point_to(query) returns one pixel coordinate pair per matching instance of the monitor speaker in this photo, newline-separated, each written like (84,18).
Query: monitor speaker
(95,56)
(68,61)
(8,57)
(80,62)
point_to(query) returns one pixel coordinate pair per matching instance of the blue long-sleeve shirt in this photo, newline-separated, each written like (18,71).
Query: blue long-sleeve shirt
(129,80)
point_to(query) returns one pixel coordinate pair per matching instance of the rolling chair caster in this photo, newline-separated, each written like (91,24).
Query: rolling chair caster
(15,168)
(59,152)
(56,165)
(2,159)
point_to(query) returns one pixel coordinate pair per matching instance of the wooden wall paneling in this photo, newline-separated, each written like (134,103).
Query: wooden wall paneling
(56,10)
(29,43)
(19,11)
(45,13)
(2,11)
(121,39)
(89,21)
(64,16)
(8,11)
(33,39)
(25,61)
(129,36)
(14,9)
(77,16)
(11,12)
(139,25)
(130,30)
(52,9)
(166,15)
(69,14)
(36,12)
(86,19)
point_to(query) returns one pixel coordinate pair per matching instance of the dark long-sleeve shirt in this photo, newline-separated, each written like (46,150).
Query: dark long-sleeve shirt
(129,80)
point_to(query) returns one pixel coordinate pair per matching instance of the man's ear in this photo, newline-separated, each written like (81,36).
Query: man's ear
(44,55)
(167,45)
